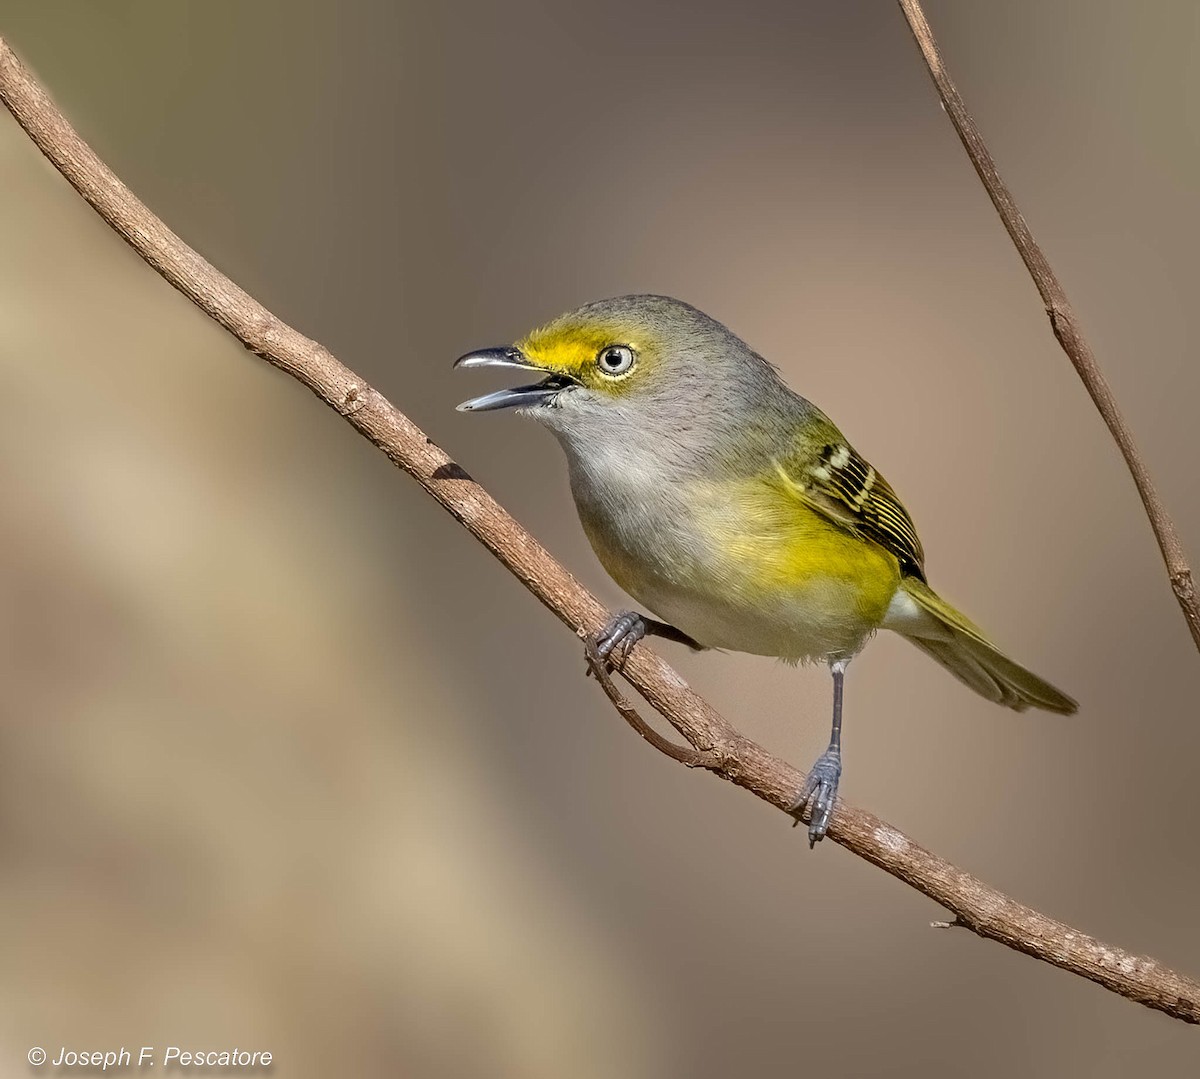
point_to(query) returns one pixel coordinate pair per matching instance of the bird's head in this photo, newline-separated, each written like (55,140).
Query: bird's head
(634,367)
(600,354)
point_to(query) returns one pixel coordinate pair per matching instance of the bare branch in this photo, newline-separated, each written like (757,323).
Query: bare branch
(1063,320)
(693,758)
(718,746)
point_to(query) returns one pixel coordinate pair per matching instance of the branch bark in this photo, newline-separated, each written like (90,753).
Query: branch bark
(716,745)
(1062,316)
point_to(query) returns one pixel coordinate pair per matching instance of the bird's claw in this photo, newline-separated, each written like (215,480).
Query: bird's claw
(820,788)
(616,640)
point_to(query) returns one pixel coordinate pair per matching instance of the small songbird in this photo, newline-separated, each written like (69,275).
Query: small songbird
(734,509)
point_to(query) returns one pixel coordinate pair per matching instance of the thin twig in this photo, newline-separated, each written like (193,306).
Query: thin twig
(983,909)
(693,758)
(1062,317)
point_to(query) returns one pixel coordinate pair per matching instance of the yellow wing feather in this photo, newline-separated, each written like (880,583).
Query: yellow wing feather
(833,479)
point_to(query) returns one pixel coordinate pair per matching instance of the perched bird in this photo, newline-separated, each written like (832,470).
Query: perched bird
(734,509)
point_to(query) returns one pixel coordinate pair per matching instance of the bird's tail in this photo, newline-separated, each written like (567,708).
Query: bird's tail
(961,647)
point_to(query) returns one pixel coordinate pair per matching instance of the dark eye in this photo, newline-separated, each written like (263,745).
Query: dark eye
(615,360)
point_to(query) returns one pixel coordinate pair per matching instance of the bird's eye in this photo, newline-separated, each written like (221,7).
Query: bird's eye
(615,360)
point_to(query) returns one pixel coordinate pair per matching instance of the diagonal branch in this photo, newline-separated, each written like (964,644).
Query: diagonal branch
(1062,317)
(719,747)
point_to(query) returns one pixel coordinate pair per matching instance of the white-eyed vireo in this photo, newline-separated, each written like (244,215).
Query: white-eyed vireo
(733,508)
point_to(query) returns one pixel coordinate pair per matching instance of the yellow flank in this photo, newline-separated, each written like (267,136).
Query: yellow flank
(782,545)
(762,573)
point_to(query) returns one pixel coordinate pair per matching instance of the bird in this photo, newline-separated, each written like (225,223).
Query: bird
(734,510)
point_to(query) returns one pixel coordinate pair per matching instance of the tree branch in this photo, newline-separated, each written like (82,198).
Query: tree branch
(717,745)
(693,758)
(1063,320)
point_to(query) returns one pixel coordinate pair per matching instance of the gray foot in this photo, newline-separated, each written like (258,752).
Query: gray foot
(617,639)
(820,788)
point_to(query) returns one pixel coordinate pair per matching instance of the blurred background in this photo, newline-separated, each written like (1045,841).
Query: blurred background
(288,762)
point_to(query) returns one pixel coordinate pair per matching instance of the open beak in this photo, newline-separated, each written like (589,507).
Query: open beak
(539,393)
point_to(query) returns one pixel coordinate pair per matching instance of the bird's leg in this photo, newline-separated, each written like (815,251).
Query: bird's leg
(624,630)
(821,784)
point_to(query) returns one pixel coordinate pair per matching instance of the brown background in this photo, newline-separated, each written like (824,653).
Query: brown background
(287,761)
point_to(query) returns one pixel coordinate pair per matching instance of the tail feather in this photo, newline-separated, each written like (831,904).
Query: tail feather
(960,646)
(970,672)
